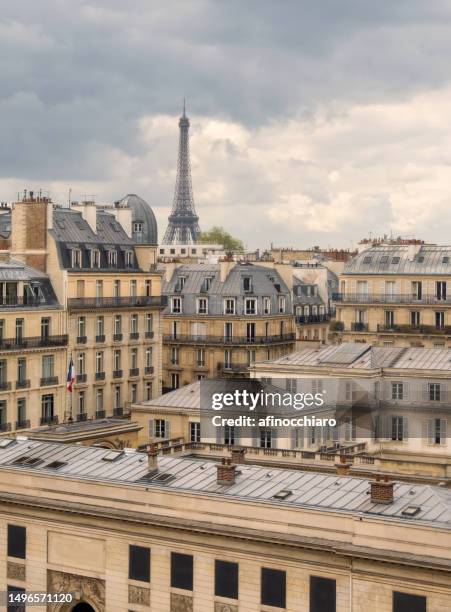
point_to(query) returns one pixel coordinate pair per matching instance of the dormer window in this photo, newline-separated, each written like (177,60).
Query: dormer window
(95,258)
(281,304)
(76,258)
(206,284)
(250,306)
(229,306)
(176,305)
(112,258)
(129,259)
(202,306)
(266,305)
(247,284)
(180,284)
(137,231)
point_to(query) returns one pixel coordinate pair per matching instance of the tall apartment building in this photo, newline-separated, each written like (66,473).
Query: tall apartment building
(396,295)
(223,317)
(141,537)
(94,296)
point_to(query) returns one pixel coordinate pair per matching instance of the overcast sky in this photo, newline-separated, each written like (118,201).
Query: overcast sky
(312,122)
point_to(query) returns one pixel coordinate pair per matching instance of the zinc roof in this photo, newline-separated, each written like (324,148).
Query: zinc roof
(401,259)
(254,483)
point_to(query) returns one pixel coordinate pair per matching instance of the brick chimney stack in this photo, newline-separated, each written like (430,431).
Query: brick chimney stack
(343,466)
(382,491)
(238,455)
(226,472)
(152,457)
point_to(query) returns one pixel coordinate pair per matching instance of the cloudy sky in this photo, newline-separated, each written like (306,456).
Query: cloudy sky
(311,122)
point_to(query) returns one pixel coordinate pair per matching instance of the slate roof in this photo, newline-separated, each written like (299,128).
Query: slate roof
(141,212)
(257,483)
(401,259)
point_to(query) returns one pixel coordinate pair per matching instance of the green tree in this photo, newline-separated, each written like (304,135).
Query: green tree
(218,235)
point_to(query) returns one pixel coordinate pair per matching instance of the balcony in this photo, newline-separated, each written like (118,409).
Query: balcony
(117,373)
(49,380)
(100,375)
(82,378)
(25,424)
(100,414)
(100,338)
(415,329)
(49,420)
(82,416)
(336,326)
(32,342)
(82,339)
(148,370)
(230,340)
(134,335)
(22,384)
(143,301)
(5,427)
(388,298)
(5,386)
(14,301)
(306,319)
(359,327)
(134,371)
(117,337)
(232,367)
(149,334)
(118,411)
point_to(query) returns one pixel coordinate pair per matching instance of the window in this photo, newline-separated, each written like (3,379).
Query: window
(95,258)
(202,306)
(20,325)
(250,332)
(81,363)
(48,364)
(281,304)
(397,391)
(137,227)
(129,259)
(81,402)
(80,288)
(148,287)
(397,428)
(81,327)
(117,288)
(117,324)
(266,305)
(99,400)
(100,326)
(436,431)
(149,357)
(226,579)
(206,283)
(440,290)
(389,318)
(251,356)
(180,284)
(149,323)
(99,362)
(117,359)
(201,357)
(161,428)
(229,434)
(134,324)
(229,306)
(194,431)
(176,305)
(2,328)
(47,406)
(265,438)
(21,410)
(404,602)
(228,358)
(134,393)
(322,594)
(175,355)
(350,429)
(250,306)
(117,397)
(434,392)
(76,258)
(291,385)
(45,327)
(17,541)
(247,283)
(21,369)
(440,320)
(134,358)
(415,317)
(99,288)
(133,288)
(139,563)
(112,258)
(273,587)
(228,331)
(148,391)
(182,571)
(175,380)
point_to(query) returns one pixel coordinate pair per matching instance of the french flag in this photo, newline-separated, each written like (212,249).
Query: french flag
(70,376)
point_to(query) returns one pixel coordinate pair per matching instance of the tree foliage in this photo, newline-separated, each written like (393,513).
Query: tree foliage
(218,235)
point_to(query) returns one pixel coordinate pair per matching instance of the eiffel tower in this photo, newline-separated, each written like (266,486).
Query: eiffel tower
(183,226)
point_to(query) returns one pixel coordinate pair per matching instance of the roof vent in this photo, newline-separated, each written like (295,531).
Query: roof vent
(6,442)
(56,465)
(112,456)
(283,494)
(411,511)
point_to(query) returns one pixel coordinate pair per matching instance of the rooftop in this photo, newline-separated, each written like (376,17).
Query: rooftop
(259,484)
(390,259)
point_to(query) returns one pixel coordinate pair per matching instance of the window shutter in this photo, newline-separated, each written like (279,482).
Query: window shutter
(405,390)
(430,431)
(274,438)
(443,426)
(425,392)
(219,435)
(405,428)
(237,435)
(168,429)
(151,428)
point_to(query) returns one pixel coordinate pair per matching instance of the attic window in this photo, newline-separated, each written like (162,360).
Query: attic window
(445,260)
(112,456)
(395,260)
(112,258)
(56,465)
(247,283)
(283,494)
(76,258)
(24,460)
(411,511)
(5,442)
(156,477)
(384,259)
(60,224)
(206,284)
(367,260)
(114,227)
(420,259)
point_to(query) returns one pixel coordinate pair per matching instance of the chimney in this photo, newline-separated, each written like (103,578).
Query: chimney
(88,211)
(226,472)
(238,455)
(224,269)
(343,466)
(382,491)
(152,457)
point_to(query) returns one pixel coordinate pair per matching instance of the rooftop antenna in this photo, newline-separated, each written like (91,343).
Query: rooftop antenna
(184,114)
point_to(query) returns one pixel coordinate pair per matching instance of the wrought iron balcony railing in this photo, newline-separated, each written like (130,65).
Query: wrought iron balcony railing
(100,338)
(148,370)
(143,301)
(82,416)
(14,301)
(389,298)
(49,380)
(414,329)
(23,384)
(134,371)
(82,378)
(100,375)
(24,424)
(319,318)
(359,327)
(49,420)
(31,342)
(195,339)
(232,367)
(100,414)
